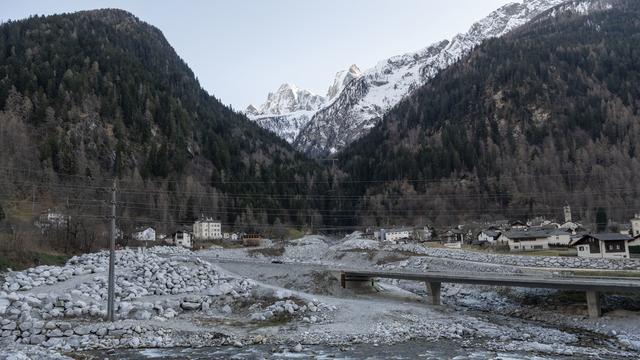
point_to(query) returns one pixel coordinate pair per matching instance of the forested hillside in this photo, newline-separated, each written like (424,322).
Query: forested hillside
(545,116)
(525,124)
(88,96)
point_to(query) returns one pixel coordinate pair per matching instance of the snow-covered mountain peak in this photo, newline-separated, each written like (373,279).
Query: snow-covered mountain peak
(342,79)
(287,99)
(357,100)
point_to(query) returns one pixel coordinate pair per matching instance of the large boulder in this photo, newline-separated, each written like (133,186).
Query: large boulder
(190,305)
(37,339)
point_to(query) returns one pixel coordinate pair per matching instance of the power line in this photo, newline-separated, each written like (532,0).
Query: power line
(42,185)
(341,181)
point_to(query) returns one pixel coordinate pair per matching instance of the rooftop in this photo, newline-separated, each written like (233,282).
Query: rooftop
(492,233)
(528,234)
(611,237)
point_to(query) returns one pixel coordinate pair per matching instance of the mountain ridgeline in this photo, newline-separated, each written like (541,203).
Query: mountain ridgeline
(545,116)
(359,101)
(96,94)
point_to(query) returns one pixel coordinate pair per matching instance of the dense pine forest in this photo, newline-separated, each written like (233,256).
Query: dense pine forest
(546,116)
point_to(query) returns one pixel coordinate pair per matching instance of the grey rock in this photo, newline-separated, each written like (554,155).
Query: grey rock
(26,326)
(37,339)
(82,330)
(54,333)
(190,306)
(64,326)
(10,326)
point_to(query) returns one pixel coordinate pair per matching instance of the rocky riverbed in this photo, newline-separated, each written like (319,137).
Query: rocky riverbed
(170,297)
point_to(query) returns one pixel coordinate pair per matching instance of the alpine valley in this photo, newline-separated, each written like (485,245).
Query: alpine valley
(543,88)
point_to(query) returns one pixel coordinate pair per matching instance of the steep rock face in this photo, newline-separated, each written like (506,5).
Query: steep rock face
(289,109)
(286,126)
(342,79)
(286,111)
(287,99)
(364,101)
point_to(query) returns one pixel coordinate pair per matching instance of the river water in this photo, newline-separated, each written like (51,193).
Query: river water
(411,350)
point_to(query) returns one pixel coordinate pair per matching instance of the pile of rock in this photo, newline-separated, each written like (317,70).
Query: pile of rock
(63,335)
(16,308)
(311,312)
(168,308)
(170,250)
(19,351)
(45,275)
(308,248)
(153,275)
(23,318)
(357,244)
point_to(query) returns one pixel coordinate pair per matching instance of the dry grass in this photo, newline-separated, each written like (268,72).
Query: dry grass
(20,260)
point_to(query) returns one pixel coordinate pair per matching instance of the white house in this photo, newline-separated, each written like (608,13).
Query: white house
(227,236)
(51,218)
(609,246)
(525,240)
(560,237)
(394,235)
(182,238)
(518,225)
(207,229)
(489,236)
(146,234)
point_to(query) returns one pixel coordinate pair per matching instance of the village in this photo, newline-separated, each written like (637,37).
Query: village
(538,236)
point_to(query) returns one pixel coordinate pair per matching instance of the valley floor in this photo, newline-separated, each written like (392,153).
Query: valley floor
(252,303)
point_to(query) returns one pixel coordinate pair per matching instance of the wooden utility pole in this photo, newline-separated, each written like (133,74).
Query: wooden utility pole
(33,200)
(112,255)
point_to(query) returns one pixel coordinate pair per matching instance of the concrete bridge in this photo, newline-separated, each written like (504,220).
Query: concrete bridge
(592,286)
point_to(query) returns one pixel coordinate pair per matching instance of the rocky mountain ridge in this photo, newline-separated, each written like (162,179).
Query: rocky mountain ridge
(289,109)
(367,97)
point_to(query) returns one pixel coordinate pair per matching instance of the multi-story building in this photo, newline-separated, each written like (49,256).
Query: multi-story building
(207,229)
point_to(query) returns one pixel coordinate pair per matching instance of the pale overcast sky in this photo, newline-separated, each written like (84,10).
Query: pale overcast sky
(242,49)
